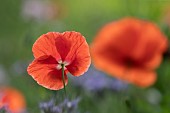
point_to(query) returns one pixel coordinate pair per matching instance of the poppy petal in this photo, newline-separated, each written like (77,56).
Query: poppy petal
(152,43)
(76,52)
(43,70)
(12,99)
(110,66)
(63,44)
(140,77)
(121,47)
(154,62)
(45,45)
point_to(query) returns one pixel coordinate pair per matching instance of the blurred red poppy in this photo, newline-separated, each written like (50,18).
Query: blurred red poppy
(12,100)
(129,49)
(54,49)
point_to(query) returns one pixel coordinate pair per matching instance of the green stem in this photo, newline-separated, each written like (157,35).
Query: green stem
(130,108)
(63,78)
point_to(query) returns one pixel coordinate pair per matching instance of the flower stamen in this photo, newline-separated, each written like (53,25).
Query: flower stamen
(61,63)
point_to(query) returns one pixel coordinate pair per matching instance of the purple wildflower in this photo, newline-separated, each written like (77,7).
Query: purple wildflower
(19,67)
(3,110)
(65,106)
(3,75)
(39,10)
(94,80)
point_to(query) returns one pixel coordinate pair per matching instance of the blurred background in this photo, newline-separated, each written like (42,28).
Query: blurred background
(23,21)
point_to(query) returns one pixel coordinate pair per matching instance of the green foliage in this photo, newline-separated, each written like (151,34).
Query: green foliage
(86,16)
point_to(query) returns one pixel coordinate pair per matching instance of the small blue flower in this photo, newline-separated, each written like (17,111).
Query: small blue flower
(94,80)
(66,106)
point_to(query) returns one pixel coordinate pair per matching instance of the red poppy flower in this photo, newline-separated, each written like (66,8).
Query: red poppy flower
(53,49)
(129,49)
(12,100)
